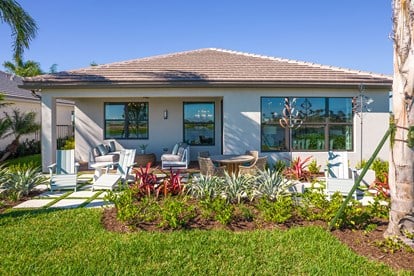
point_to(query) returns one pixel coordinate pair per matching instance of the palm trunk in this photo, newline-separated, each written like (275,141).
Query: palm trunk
(401,174)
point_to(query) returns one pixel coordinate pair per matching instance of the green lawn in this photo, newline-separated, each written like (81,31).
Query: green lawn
(36,159)
(56,242)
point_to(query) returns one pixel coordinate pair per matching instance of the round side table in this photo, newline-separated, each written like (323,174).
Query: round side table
(141,160)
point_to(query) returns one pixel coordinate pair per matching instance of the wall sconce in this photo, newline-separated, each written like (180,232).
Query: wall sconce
(165,114)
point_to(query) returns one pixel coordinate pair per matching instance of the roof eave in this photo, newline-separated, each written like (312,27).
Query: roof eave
(206,84)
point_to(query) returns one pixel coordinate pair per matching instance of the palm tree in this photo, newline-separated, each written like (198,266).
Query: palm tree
(20,124)
(21,68)
(401,170)
(23,26)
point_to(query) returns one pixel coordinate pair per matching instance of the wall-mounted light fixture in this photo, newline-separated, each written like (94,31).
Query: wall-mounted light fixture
(165,114)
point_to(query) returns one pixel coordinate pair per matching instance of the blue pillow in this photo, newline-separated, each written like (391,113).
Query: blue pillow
(102,149)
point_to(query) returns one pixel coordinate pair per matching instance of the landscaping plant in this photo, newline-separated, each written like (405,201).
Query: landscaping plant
(20,180)
(277,211)
(205,187)
(238,187)
(271,184)
(297,169)
(145,181)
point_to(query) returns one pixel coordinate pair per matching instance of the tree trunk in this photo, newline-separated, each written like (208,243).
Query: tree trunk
(401,174)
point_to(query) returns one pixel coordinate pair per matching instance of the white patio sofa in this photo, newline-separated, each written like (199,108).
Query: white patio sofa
(101,154)
(179,158)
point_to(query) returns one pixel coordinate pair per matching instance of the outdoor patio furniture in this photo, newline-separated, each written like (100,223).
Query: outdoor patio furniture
(339,177)
(232,161)
(101,154)
(207,167)
(63,173)
(259,164)
(179,158)
(110,180)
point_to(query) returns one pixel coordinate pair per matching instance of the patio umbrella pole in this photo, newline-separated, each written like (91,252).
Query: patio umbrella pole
(361,176)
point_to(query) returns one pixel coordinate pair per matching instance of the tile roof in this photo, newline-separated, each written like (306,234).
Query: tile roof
(210,67)
(9,87)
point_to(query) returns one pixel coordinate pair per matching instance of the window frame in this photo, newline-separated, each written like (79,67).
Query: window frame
(213,123)
(326,124)
(119,120)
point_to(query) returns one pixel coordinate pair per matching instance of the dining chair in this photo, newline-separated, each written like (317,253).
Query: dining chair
(207,167)
(258,164)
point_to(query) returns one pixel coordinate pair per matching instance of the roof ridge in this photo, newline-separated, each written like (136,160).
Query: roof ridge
(313,64)
(141,59)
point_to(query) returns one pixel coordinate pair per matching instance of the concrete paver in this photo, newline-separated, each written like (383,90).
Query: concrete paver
(82,194)
(68,203)
(54,194)
(33,203)
(99,203)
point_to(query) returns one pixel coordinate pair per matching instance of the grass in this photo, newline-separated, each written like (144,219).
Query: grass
(74,242)
(36,159)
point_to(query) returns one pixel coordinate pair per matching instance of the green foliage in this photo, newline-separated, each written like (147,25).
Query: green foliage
(393,245)
(176,212)
(313,167)
(361,164)
(21,179)
(381,169)
(124,203)
(377,209)
(205,187)
(28,147)
(271,184)
(238,187)
(278,211)
(218,209)
(22,68)
(280,166)
(69,143)
(35,159)
(244,212)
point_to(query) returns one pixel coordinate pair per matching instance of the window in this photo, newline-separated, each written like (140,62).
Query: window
(126,120)
(313,124)
(199,123)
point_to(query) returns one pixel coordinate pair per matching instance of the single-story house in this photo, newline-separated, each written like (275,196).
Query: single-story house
(27,101)
(221,101)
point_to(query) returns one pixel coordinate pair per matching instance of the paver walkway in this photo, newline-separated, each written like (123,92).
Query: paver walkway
(83,197)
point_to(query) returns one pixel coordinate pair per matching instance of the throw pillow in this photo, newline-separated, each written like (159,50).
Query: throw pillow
(112,146)
(175,149)
(102,149)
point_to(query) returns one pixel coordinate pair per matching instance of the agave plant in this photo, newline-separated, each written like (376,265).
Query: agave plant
(20,180)
(238,186)
(205,187)
(272,184)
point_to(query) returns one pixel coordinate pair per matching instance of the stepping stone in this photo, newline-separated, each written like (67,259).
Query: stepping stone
(99,203)
(102,195)
(41,187)
(85,194)
(86,187)
(54,194)
(68,203)
(34,203)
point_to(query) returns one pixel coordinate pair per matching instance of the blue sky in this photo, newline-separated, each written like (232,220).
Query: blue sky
(351,34)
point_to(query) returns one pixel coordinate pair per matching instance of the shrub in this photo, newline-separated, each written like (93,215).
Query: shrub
(313,167)
(69,143)
(124,203)
(280,166)
(271,184)
(278,211)
(20,180)
(176,213)
(297,169)
(205,187)
(218,209)
(238,187)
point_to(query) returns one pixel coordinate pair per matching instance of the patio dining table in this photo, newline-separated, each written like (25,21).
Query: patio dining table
(232,161)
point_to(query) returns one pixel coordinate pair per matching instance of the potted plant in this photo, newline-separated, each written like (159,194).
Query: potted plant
(143,147)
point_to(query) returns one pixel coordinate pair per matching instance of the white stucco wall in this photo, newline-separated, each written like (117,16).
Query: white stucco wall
(241,118)
(64,112)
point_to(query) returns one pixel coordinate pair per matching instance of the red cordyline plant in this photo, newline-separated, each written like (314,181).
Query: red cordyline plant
(297,169)
(172,185)
(145,180)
